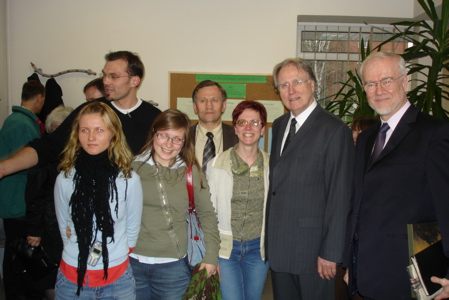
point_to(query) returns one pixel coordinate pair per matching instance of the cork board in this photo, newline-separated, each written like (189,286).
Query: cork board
(239,87)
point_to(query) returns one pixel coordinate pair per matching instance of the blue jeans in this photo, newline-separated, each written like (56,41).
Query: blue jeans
(243,274)
(167,281)
(124,288)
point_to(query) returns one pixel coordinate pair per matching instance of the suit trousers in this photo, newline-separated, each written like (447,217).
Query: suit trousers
(301,287)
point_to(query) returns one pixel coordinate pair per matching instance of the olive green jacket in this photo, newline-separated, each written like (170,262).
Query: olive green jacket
(154,239)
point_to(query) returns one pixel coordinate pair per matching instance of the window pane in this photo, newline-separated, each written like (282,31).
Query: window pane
(340,42)
(334,49)
(330,74)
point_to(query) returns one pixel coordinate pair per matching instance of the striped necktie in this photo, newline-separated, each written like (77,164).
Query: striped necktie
(209,150)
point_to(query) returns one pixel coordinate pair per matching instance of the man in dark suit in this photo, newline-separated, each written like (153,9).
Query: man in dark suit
(310,184)
(209,103)
(401,176)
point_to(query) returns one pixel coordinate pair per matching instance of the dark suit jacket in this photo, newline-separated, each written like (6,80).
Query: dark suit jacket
(229,137)
(310,186)
(408,183)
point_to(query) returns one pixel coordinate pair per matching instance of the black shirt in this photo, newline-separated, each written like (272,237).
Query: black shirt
(135,125)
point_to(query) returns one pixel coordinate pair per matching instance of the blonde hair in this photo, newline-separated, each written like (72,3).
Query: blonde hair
(57,115)
(119,152)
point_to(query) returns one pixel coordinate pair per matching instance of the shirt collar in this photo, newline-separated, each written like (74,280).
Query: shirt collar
(144,158)
(302,117)
(202,131)
(394,119)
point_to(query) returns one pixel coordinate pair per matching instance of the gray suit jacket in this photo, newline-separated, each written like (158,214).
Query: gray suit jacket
(229,137)
(310,189)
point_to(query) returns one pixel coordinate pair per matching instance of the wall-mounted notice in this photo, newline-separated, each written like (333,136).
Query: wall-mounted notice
(232,78)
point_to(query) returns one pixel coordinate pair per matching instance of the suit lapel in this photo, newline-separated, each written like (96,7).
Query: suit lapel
(369,146)
(280,134)
(228,136)
(304,130)
(401,130)
(193,131)
(399,133)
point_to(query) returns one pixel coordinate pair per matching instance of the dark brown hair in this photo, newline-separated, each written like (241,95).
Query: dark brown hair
(98,84)
(135,65)
(363,122)
(31,89)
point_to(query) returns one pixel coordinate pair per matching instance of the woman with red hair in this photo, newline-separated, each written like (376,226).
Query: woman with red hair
(238,182)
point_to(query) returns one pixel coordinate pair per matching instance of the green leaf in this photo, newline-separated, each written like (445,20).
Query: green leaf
(201,287)
(427,58)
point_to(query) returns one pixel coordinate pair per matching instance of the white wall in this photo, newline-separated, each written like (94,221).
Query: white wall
(419,12)
(232,36)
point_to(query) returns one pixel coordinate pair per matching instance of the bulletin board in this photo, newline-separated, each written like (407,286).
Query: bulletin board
(239,87)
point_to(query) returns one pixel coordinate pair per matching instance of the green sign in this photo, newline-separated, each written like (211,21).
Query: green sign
(235,90)
(232,78)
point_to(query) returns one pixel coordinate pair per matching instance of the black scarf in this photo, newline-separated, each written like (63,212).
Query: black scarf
(94,182)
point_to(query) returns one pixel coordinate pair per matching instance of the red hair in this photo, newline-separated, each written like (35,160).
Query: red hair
(254,105)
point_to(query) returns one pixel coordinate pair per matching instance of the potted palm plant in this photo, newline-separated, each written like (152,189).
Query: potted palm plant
(350,101)
(428,58)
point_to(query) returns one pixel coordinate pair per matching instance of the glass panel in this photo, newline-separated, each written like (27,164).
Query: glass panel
(333,49)
(340,42)
(329,75)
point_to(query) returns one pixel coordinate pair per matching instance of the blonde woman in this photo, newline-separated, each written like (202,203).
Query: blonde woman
(99,197)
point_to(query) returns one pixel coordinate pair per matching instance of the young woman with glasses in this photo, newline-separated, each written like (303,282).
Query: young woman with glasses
(160,262)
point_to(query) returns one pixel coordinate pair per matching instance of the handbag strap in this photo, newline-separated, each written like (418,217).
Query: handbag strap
(189,184)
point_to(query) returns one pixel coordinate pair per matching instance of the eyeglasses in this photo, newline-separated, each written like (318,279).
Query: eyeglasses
(384,83)
(113,76)
(252,123)
(164,138)
(297,84)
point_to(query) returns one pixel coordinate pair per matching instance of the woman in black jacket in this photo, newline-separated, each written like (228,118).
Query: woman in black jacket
(40,207)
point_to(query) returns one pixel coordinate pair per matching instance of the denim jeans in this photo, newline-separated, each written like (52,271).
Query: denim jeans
(124,288)
(167,281)
(243,275)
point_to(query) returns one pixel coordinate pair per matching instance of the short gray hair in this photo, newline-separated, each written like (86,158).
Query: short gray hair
(299,63)
(57,115)
(385,54)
